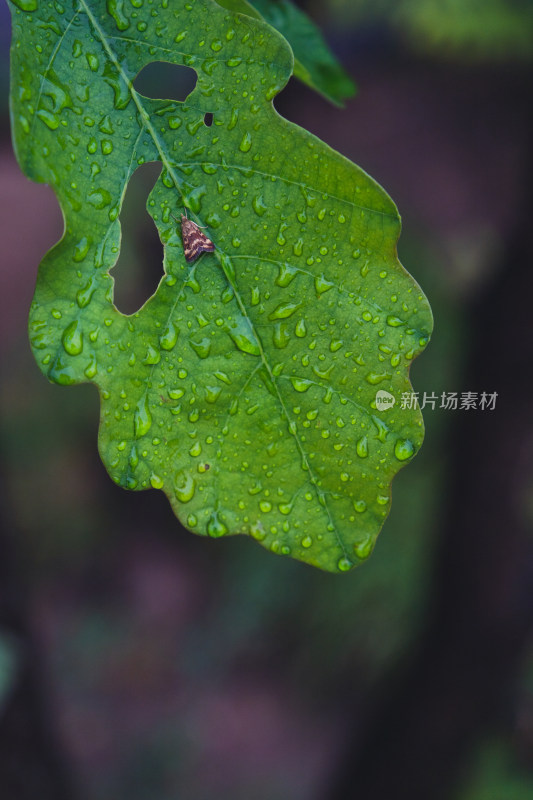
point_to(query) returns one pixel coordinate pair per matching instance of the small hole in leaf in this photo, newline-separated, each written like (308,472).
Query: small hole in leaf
(208,119)
(161,80)
(140,264)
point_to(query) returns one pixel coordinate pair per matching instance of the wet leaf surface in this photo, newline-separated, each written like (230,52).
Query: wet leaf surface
(245,387)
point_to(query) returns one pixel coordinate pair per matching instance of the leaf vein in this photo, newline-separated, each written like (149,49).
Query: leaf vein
(320,494)
(190,55)
(44,77)
(340,289)
(302,185)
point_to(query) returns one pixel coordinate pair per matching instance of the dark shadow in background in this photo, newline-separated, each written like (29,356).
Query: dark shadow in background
(32,763)
(459,685)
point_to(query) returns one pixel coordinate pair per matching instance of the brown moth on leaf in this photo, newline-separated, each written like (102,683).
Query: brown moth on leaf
(194,241)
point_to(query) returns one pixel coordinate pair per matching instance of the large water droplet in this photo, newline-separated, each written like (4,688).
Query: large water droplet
(362,447)
(363,549)
(99,198)
(193,198)
(403,449)
(215,526)
(246,142)
(26,5)
(258,205)
(394,322)
(61,373)
(286,275)
(298,247)
(280,238)
(121,91)
(373,378)
(93,62)
(301,384)
(115,9)
(212,393)
(91,369)
(382,429)
(156,481)
(234,119)
(202,347)
(81,249)
(50,120)
(184,486)
(169,337)
(196,449)
(281,335)
(344,564)
(284,310)
(300,329)
(322,284)
(72,338)
(84,295)
(152,356)
(242,334)
(142,419)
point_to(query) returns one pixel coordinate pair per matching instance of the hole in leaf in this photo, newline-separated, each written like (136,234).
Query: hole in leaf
(161,80)
(208,119)
(140,264)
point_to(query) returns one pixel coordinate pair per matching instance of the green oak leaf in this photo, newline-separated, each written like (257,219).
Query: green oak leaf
(245,387)
(314,63)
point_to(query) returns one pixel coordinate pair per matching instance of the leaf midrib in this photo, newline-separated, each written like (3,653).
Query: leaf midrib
(321,498)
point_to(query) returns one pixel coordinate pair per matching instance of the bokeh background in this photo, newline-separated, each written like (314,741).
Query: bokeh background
(140,662)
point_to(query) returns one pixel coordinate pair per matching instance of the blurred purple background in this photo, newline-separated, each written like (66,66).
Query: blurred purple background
(140,662)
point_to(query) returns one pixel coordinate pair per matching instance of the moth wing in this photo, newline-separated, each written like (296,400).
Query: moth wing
(195,242)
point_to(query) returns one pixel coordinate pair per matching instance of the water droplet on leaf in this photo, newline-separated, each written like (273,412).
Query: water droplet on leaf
(184,486)
(215,526)
(142,419)
(72,338)
(403,449)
